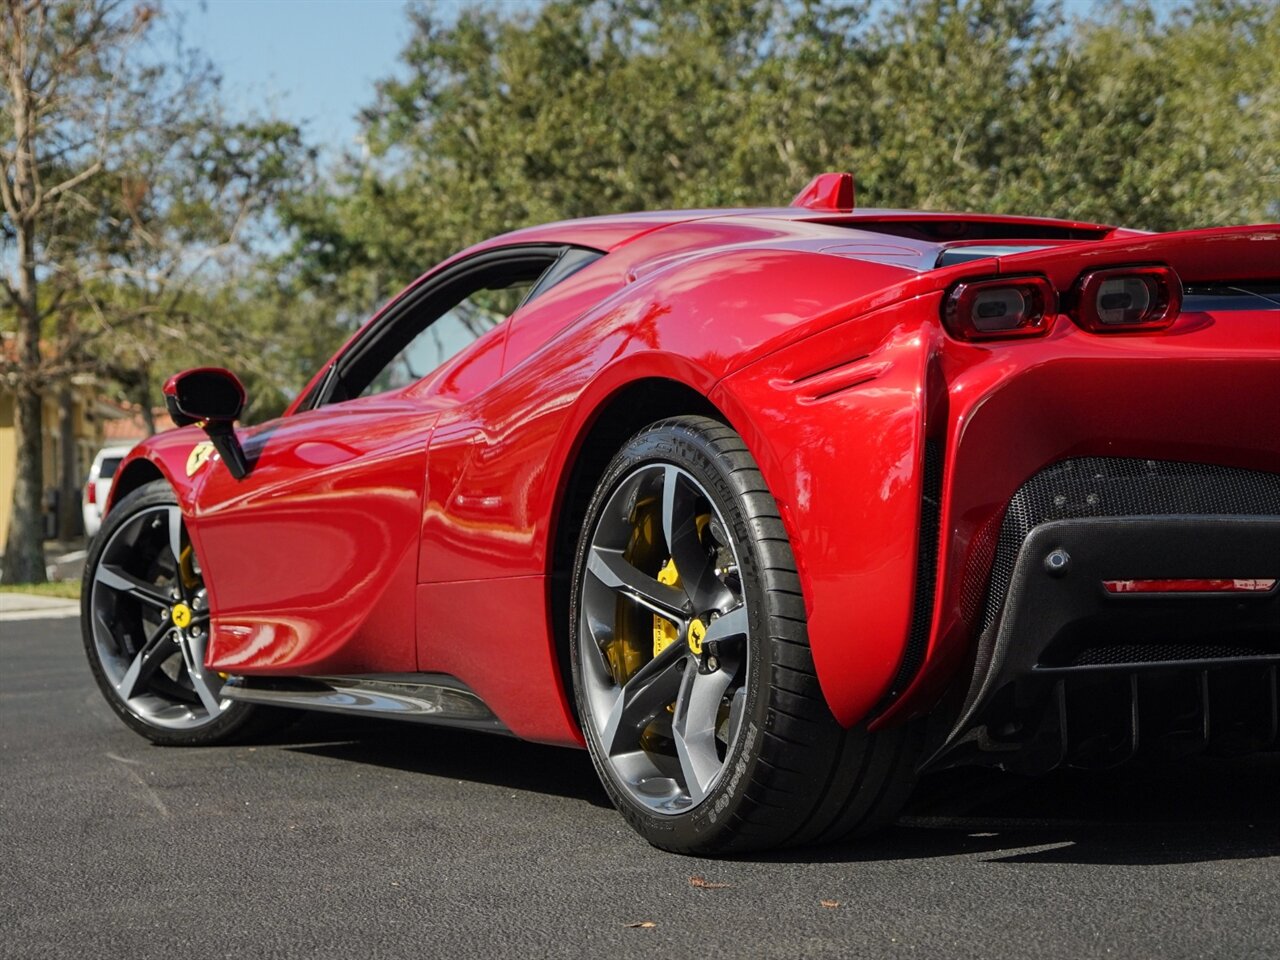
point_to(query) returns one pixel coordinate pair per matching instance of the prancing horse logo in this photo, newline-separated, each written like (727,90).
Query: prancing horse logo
(199,456)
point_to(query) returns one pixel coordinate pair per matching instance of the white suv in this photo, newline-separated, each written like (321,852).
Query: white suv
(99,485)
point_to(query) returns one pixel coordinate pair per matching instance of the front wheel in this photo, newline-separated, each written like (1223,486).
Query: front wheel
(145,623)
(691,663)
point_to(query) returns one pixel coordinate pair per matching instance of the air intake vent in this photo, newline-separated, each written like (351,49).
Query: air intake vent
(1114,487)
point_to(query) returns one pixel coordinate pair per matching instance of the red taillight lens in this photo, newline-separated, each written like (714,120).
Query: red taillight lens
(1127,299)
(91,492)
(1000,309)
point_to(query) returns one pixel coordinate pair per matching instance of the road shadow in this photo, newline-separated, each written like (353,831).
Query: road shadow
(1194,811)
(444,752)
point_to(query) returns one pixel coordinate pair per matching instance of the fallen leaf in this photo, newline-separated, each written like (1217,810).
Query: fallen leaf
(830,904)
(644,924)
(704,884)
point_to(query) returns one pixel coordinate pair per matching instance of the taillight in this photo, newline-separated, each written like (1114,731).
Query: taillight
(91,492)
(1127,299)
(1000,309)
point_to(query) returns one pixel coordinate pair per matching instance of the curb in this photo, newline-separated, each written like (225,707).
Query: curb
(24,606)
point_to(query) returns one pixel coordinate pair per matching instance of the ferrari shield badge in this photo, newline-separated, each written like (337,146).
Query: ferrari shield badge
(198,456)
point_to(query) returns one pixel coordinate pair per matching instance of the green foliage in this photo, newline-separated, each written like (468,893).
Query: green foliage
(1138,114)
(61,589)
(1134,112)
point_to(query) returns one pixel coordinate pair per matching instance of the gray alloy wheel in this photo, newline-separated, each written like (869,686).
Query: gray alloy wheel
(667,760)
(688,647)
(145,621)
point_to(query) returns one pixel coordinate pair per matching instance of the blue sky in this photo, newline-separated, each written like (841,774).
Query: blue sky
(309,61)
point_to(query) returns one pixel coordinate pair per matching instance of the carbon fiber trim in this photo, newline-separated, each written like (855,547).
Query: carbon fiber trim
(1120,487)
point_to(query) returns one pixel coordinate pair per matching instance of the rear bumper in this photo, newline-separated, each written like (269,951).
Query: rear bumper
(1070,671)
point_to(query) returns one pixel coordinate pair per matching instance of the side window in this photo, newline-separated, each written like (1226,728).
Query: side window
(448,335)
(437,322)
(443,317)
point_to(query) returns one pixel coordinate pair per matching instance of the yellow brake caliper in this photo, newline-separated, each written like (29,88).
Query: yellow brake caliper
(665,632)
(626,656)
(187,568)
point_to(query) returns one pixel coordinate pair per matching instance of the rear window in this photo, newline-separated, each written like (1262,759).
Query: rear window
(954,255)
(109,467)
(1220,297)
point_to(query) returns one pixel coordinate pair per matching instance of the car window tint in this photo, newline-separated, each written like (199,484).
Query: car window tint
(108,468)
(447,336)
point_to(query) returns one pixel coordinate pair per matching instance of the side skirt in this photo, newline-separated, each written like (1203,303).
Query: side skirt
(420,697)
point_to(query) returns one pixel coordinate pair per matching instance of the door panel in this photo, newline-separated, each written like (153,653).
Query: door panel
(312,560)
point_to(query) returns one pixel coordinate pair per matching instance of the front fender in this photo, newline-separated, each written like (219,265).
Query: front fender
(837,424)
(164,455)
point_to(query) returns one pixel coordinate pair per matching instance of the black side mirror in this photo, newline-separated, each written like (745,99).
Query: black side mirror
(213,398)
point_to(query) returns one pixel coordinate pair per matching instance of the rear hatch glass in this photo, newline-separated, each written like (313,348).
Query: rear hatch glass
(1222,297)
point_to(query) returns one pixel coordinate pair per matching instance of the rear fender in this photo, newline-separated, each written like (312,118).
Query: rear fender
(837,423)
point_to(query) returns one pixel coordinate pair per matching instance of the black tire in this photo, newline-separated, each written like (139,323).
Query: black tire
(115,624)
(791,774)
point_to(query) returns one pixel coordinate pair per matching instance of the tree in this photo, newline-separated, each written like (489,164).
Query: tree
(130,198)
(1148,116)
(57,63)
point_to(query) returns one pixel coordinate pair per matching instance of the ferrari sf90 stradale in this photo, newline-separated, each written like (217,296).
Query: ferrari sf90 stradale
(768,509)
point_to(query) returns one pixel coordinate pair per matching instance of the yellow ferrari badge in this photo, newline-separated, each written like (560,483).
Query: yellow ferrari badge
(181,615)
(697,632)
(198,457)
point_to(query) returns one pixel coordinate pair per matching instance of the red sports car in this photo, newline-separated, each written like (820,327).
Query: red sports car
(768,509)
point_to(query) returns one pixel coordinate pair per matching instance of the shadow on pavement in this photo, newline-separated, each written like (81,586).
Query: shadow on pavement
(451,754)
(1194,811)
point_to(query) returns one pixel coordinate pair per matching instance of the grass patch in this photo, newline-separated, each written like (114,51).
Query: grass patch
(67,589)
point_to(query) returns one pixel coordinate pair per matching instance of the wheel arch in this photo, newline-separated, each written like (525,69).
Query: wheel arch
(137,473)
(164,456)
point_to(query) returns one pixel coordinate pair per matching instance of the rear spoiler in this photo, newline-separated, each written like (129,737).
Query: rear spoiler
(1197,256)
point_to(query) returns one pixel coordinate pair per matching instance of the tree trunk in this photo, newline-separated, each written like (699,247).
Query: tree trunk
(144,398)
(24,551)
(70,518)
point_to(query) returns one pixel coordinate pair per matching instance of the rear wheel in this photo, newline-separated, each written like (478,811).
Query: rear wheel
(145,624)
(691,664)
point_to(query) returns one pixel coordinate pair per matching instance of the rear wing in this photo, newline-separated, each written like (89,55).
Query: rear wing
(1197,256)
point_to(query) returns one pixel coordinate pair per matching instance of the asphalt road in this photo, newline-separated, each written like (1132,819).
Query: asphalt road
(359,839)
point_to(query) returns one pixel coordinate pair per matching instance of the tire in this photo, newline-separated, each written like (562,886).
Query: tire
(141,581)
(779,770)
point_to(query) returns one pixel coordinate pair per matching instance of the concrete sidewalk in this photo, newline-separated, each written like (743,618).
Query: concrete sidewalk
(26,606)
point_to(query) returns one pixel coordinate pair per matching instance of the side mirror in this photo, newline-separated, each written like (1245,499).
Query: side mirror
(213,398)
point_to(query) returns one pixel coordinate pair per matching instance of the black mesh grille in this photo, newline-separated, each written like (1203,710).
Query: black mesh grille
(1114,487)
(1111,655)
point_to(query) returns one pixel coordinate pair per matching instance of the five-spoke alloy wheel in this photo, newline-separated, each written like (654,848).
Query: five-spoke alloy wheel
(667,725)
(145,621)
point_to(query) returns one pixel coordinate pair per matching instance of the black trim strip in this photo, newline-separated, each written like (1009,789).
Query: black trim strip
(425,698)
(926,572)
